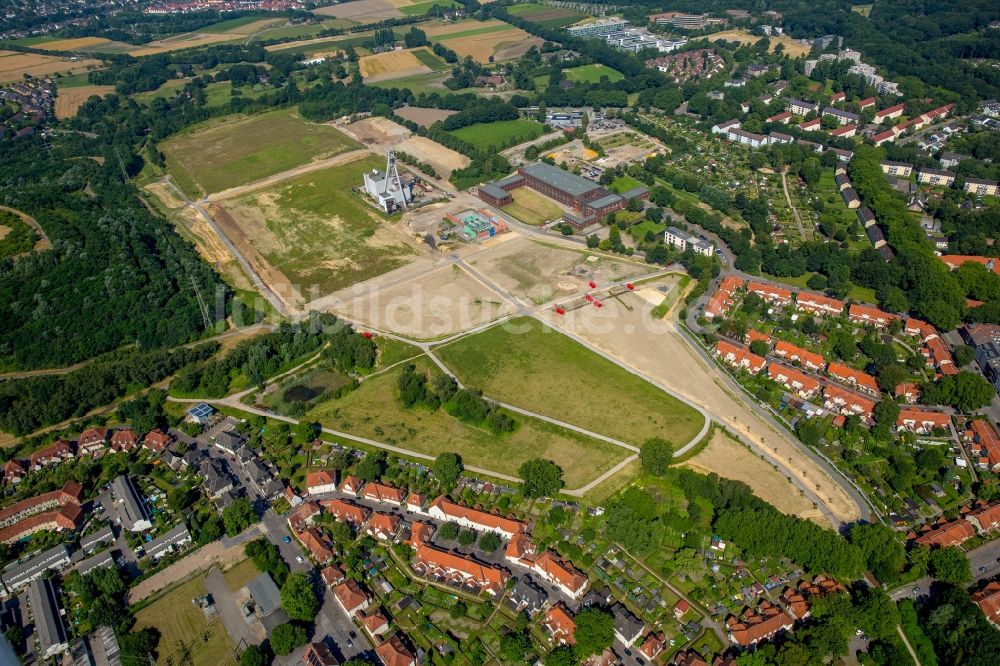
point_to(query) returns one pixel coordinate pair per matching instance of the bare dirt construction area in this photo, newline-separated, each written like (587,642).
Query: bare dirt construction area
(361,9)
(538,273)
(69,100)
(731,459)
(377,130)
(14,65)
(655,347)
(445,301)
(422,116)
(444,160)
(164,194)
(390,65)
(792,47)
(190,224)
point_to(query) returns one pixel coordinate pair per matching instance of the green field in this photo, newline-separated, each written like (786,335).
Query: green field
(374,411)
(418,83)
(218,154)
(624,184)
(422,8)
(531,207)
(499,134)
(427,57)
(549,17)
(532,366)
(181,623)
(232,24)
(318,232)
(340,42)
(593,73)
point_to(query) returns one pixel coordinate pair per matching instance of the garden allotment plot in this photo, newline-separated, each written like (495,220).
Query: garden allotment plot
(317,233)
(529,365)
(238,149)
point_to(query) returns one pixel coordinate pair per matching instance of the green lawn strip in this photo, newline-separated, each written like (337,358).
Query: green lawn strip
(373,411)
(428,58)
(498,134)
(532,366)
(593,73)
(624,184)
(232,24)
(422,8)
(216,155)
(326,235)
(470,33)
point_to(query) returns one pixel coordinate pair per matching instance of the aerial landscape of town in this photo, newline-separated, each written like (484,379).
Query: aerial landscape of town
(398,332)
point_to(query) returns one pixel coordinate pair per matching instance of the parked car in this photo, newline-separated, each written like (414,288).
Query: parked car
(286,539)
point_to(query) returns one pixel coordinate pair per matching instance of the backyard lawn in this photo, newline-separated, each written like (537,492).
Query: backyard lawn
(532,208)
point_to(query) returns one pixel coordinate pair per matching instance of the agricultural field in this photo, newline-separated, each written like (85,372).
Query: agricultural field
(532,208)
(793,48)
(70,99)
(479,39)
(430,433)
(593,73)
(397,64)
(527,364)
(74,44)
(216,155)
(365,11)
(185,635)
(550,17)
(537,272)
(302,30)
(419,83)
(500,134)
(314,232)
(444,160)
(421,8)
(14,65)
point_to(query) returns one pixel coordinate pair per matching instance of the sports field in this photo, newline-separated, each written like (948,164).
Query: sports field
(593,73)
(532,208)
(528,364)
(499,134)
(420,430)
(185,635)
(236,149)
(318,233)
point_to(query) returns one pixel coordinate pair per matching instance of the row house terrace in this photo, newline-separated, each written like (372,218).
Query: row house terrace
(739,356)
(760,624)
(922,421)
(847,402)
(794,380)
(818,304)
(771,293)
(380,492)
(459,570)
(869,316)
(521,551)
(938,355)
(724,297)
(805,357)
(984,444)
(445,510)
(856,378)
(559,625)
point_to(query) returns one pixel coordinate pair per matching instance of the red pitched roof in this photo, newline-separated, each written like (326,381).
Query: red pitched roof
(563,572)
(818,302)
(318,545)
(739,356)
(66,517)
(922,416)
(318,654)
(92,436)
(919,328)
(321,477)
(853,402)
(755,626)
(804,356)
(888,111)
(988,600)
(351,484)
(986,435)
(987,517)
(124,439)
(302,514)
(477,516)
(345,511)
(156,440)
(383,523)
(380,492)
(375,622)
(560,624)
(444,563)
(332,574)
(869,314)
(394,653)
(953,261)
(805,383)
(350,595)
(947,534)
(769,291)
(852,376)
(420,533)
(654,644)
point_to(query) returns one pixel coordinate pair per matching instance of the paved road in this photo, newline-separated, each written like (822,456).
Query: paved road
(986,557)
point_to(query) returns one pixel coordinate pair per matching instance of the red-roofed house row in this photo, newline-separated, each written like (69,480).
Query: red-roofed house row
(446,510)
(862,380)
(754,626)
(848,402)
(818,304)
(769,292)
(869,315)
(921,421)
(807,358)
(739,356)
(460,570)
(793,380)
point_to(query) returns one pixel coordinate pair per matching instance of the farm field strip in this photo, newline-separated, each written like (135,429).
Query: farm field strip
(14,65)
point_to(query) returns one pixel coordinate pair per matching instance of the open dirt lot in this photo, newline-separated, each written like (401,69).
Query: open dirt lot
(733,460)
(483,46)
(654,347)
(444,301)
(792,47)
(164,194)
(444,160)
(360,10)
(70,99)
(537,273)
(519,49)
(424,117)
(391,64)
(377,130)
(14,65)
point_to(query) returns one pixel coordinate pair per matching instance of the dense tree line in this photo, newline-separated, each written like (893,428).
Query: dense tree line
(33,402)
(465,404)
(255,360)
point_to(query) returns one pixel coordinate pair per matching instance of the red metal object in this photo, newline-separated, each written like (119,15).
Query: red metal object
(368,335)
(598,304)
(560,311)
(630,285)
(590,299)
(592,284)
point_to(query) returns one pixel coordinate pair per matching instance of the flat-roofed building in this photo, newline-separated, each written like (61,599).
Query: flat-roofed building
(129,504)
(43,601)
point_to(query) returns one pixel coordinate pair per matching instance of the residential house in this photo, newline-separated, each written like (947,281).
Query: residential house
(981,187)
(985,517)
(985,436)
(842,117)
(321,481)
(922,421)
(420,533)
(945,534)
(380,492)
(374,622)
(383,526)
(318,544)
(784,117)
(850,197)
(132,511)
(908,391)
(739,356)
(818,304)
(813,125)
(303,515)
(527,596)
(124,440)
(318,654)
(17,577)
(901,169)
(988,600)
(935,177)
(351,597)
(167,543)
(769,292)
(13,471)
(627,626)
(156,441)
(345,511)
(807,358)
(457,569)
(847,402)
(798,382)
(866,103)
(860,380)
(53,511)
(799,107)
(444,509)
(754,626)
(394,653)
(92,441)
(654,643)
(52,454)
(919,329)
(351,485)
(845,132)
(46,614)
(559,624)
(894,111)
(560,573)
(869,316)
(415,502)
